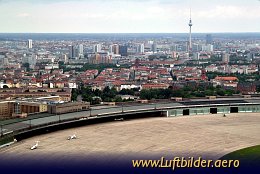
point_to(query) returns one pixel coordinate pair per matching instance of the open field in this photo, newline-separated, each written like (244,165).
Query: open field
(210,136)
(249,156)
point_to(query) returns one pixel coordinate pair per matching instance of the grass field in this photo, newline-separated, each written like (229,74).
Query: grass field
(247,156)
(6,140)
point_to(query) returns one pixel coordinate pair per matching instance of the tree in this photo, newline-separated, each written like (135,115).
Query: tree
(145,94)
(118,99)
(127,92)
(209,92)
(229,92)
(97,92)
(109,94)
(220,92)
(74,95)
(86,97)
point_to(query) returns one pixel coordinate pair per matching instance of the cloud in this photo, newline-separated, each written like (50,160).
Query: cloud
(23,15)
(229,12)
(127,15)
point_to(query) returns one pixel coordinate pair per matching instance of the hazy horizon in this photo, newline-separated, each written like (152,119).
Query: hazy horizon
(124,36)
(194,33)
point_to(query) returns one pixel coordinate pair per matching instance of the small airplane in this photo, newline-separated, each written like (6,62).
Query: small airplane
(72,137)
(119,119)
(35,146)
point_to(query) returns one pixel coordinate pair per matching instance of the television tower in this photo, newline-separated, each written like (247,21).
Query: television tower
(190,25)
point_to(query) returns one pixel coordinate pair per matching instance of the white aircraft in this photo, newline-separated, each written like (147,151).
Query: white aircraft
(35,146)
(72,137)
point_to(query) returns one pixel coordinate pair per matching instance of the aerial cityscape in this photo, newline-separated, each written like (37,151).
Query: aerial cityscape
(65,73)
(125,67)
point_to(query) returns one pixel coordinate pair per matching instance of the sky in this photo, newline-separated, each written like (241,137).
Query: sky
(128,16)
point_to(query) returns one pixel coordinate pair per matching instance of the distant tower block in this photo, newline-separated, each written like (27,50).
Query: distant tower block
(29,43)
(209,39)
(81,49)
(225,58)
(190,43)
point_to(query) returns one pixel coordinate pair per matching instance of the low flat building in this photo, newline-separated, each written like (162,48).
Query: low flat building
(6,109)
(61,108)
(33,107)
(11,108)
(64,94)
(155,86)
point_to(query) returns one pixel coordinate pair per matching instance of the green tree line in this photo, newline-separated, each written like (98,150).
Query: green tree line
(112,95)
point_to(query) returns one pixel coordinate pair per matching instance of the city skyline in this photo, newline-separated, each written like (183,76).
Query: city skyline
(128,16)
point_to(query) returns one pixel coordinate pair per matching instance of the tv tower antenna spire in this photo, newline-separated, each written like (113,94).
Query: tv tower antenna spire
(190,25)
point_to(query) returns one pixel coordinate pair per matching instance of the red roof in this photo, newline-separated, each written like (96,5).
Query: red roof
(148,86)
(227,78)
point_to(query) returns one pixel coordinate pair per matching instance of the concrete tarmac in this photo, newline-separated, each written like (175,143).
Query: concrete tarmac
(204,135)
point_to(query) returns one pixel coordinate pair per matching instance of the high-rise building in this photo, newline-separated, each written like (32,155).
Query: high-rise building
(196,56)
(32,61)
(111,49)
(175,55)
(140,49)
(209,39)
(207,48)
(250,56)
(225,58)
(81,49)
(114,49)
(99,58)
(195,47)
(123,50)
(154,47)
(150,42)
(176,47)
(65,58)
(71,52)
(5,61)
(97,48)
(76,52)
(29,43)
